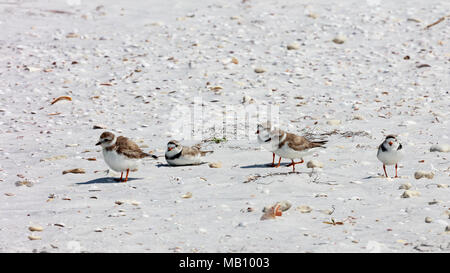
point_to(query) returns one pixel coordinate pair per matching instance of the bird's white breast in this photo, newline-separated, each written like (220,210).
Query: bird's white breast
(390,157)
(118,162)
(287,152)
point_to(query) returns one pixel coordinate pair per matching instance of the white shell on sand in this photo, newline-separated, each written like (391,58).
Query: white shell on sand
(423,174)
(445,148)
(314,164)
(410,193)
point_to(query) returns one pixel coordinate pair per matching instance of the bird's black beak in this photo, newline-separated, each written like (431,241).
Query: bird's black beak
(98,143)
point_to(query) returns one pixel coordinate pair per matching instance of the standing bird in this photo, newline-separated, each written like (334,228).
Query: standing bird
(120,153)
(390,152)
(264,139)
(178,155)
(293,146)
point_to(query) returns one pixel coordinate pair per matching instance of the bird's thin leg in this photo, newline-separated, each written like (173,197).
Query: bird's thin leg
(126,177)
(119,179)
(279,162)
(384,168)
(290,164)
(273,160)
(293,166)
(396,176)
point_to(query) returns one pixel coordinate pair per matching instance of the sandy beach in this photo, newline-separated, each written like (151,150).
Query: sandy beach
(351,72)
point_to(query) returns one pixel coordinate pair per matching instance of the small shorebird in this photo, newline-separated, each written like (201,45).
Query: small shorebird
(390,152)
(120,153)
(178,155)
(265,139)
(293,146)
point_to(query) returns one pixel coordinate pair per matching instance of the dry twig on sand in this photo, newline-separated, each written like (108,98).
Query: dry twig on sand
(437,22)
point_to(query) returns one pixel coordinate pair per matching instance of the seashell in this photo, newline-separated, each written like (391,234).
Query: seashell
(72,35)
(77,170)
(444,148)
(9,194)
(35,228)
(321,195)
(259,70)
(32,237)
(304,209)
(119,202)
(293,46)
(405,186)
(284,205)
(56,157)
(442,185)
(339,39)
(247,100)
(409,193)
(61,98)
(420,174)
(334,122)
(234,60)
(428,219)
(99,127)
(215,165)
(187,195)
(314,164)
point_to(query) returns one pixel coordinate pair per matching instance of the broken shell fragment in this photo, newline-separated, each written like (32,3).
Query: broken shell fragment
(259,70)
(405,186)
(444,148)
(409,193)
(35,228)
(33,237)
(293,46)
(420,174)
(61,98)
(77,170)
(304,209)
(314,164)
(187,195)
(215,165)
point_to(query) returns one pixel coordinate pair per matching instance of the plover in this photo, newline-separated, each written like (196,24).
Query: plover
(390,152)
(120,153)
(265,139)
(178,155)
(293,146)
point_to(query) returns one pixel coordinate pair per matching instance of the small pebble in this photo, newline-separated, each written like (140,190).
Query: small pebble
(428,220)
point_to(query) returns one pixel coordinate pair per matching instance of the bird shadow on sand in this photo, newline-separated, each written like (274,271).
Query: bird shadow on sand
(105,180)
(171,166)
(267,165)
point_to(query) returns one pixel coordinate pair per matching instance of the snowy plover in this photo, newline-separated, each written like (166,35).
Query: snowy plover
(264,139)
(390,152)
(293,146)
(178,155)
(120,153)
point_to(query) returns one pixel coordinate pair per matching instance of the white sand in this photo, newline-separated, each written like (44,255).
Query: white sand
(365,83)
